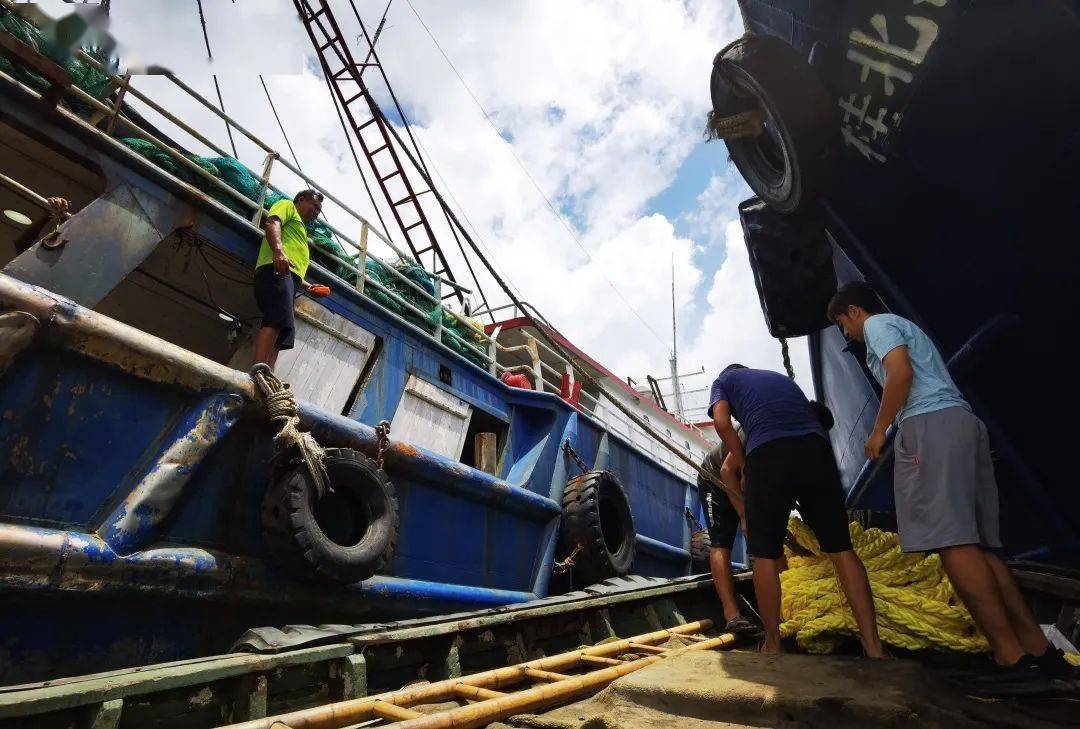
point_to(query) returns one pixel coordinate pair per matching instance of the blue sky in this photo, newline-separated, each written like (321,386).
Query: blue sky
(598,103)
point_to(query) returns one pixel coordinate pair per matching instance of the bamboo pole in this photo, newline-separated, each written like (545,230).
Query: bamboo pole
(537,675)
(541,697)
(355,710)
(476,693)
(392,711)
(642,648)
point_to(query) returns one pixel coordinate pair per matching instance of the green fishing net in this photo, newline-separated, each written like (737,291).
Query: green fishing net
(86,77)
(327,250)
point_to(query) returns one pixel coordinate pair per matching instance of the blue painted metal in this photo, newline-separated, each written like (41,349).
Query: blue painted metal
(447,595)
(132,475)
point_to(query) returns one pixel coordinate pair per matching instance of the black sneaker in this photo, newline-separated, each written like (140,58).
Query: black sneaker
(1023,678)
(1053,664)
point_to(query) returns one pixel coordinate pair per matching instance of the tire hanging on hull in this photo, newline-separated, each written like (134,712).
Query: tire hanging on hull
(597,532)
(345,536)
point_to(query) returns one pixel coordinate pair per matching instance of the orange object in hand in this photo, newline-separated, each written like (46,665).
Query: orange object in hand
(319,290)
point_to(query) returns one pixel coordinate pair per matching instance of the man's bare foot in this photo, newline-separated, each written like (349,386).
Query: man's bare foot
(772,650)
(877,651)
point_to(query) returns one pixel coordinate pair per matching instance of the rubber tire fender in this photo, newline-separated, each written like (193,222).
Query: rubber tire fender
(295,538)
(802,117)
(596,515)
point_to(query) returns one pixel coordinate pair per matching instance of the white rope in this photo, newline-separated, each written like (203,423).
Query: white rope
(283,413)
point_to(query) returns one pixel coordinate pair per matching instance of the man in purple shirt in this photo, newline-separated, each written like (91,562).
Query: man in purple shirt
(787,459)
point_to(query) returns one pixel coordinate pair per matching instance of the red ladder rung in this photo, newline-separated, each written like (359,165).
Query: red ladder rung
(408,198)
(395,173)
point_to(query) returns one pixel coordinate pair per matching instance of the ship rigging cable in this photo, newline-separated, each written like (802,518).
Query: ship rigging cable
(544,330)
(554,211)
(373,56)
(210,55)
(281,126)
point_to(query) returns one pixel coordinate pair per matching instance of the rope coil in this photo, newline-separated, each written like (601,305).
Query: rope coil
(916,606)
(284,414)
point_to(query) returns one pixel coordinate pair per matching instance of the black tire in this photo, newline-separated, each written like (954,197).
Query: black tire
(700,548)
(348,535)
(596,516)
(789,165)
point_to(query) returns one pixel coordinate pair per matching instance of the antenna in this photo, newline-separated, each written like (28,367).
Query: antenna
(676,388)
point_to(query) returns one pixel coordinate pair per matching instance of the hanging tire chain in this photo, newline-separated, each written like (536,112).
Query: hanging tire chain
(382,436)
(569,451)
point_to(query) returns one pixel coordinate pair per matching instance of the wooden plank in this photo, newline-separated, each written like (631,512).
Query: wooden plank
(439,626)
(98,688)
(485,452)
(107,715)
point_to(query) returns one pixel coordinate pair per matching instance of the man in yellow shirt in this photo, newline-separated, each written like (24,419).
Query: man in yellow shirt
(280,269)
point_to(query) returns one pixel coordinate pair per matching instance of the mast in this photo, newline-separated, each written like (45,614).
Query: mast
(674,360)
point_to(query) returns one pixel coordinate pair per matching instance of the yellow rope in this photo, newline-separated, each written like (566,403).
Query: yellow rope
(916,606)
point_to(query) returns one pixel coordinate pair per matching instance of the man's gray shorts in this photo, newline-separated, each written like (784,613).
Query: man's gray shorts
(946,494)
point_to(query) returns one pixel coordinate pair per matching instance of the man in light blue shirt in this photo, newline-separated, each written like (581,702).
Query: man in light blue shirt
(943,478)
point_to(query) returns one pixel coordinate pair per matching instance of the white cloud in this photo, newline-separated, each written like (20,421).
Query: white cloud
(602,99)
(733,327)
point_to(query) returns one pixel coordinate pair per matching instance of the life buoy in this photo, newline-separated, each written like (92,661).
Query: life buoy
(347,535)
(597,531)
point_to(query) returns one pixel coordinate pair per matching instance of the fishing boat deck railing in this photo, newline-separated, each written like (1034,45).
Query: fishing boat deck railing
(108,116)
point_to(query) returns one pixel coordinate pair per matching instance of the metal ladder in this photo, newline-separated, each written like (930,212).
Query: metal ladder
(346,78)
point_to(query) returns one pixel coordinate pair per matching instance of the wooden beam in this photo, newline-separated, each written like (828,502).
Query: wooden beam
(485,452)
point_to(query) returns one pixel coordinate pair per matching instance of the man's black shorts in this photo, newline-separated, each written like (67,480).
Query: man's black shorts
(782,471)
(275,293)
(721,519)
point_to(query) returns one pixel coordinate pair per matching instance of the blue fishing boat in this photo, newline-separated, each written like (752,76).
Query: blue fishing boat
(150,507)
